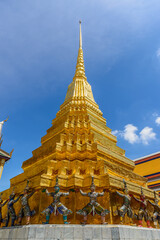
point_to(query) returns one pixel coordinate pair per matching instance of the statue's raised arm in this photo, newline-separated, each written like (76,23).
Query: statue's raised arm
(83,193)
(119,194)
(153,204)
(137,199)
(101,194)
(48,193)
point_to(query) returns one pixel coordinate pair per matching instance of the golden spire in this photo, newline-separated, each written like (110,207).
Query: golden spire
(80,70)
(80,88)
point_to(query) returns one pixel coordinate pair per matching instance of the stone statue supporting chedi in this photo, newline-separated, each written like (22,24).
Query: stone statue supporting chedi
(156,214)
(10,209)
(2,204)
(76,147)
(25,208)
(126,207)
(56,206)
(143,212)
(93,207)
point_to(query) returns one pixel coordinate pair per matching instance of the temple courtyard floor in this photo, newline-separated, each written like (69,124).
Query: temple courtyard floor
(78,232)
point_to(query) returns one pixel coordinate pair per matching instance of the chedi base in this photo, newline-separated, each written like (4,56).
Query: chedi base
(78,232)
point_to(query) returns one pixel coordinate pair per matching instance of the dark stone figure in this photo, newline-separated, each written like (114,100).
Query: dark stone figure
(10,209)
(56,206)
(1,205)
(126,207)
(25,208)
(143,213)
(93,207)
(156,214)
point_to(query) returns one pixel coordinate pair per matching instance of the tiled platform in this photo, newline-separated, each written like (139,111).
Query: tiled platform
(78,232)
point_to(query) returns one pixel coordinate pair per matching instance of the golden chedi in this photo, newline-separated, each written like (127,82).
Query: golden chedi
(78,146)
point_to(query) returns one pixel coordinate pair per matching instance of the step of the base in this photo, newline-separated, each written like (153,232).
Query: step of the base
(78,232)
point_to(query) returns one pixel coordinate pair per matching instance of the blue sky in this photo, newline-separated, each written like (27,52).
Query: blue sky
(38,51)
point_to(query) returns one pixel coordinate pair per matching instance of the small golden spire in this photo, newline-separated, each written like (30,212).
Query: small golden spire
(80,70)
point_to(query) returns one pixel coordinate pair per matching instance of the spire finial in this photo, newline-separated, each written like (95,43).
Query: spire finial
(80,35)
(80,71)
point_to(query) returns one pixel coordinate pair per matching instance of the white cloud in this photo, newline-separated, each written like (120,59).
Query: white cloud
(130,134)
(146,135)
(157,121)
(158,53)
(115,132)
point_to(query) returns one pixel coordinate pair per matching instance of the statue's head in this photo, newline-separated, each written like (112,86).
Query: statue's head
(12,196)
(92,187)
(26,190)
(126,191)
(156,201)
(125,187)
(142,195)
(155,198)
(56,187)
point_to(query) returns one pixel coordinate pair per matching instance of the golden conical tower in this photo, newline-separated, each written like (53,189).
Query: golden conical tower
(78,146)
